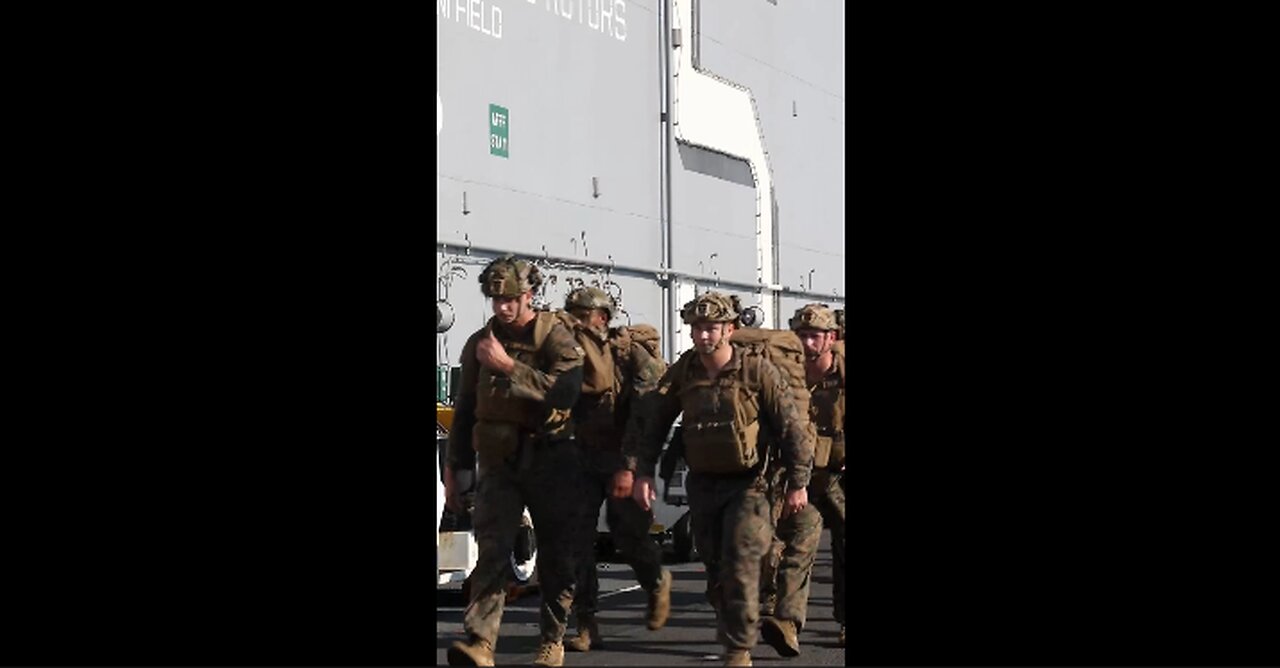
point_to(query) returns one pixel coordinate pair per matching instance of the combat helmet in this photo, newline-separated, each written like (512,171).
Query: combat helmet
(711,307)
(590,298)
(509,277)
(814,316)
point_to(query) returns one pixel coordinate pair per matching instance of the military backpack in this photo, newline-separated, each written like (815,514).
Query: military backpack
(607,368)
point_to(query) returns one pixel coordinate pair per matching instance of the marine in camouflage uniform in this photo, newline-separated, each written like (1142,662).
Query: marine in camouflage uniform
(789,563)
(521,375)
(614,382)
(729,509)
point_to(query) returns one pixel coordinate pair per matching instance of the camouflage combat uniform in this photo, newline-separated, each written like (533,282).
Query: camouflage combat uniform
(729,512)
(789,563)
(600,420)
(826,488)
(542,469)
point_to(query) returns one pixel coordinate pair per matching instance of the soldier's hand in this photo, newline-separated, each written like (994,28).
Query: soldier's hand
(622,483)
(491,354)
(643,492)
(797,499)
(452,499)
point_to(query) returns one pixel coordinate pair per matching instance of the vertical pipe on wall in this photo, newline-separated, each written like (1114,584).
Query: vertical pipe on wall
(669,305)
(779,318)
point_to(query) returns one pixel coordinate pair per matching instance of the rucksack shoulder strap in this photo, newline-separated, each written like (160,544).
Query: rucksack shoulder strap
(837,351)
(546,320)
(680,371)
(752,355)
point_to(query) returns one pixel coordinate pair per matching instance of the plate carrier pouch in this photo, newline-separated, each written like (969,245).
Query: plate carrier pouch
(720,441)
(829,404)
(501,417)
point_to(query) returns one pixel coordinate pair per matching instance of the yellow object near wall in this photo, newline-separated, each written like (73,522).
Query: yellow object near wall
(444,416)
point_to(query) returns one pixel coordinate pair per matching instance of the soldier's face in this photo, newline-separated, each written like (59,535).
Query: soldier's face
(816,342)
(508,309)
(591,317)
(707,336)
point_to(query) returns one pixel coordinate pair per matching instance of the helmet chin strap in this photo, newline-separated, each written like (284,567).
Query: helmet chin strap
(814,357)
(722,340)
(810,356)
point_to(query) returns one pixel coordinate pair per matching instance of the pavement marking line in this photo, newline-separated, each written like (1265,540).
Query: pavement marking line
(620,591)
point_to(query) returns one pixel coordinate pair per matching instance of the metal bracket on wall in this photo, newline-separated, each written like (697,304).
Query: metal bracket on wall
(661,274)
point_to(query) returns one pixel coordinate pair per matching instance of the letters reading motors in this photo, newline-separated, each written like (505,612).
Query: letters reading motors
(605,16)
(476,14)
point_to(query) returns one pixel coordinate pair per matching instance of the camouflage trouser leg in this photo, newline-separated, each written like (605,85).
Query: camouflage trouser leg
(629,529)
(586,600)
(553,488)
(732,529)
(772,558)
(769,575)
(499,505)
(799,534)
(827,495)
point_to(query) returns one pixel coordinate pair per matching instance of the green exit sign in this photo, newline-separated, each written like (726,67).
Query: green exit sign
(499,120)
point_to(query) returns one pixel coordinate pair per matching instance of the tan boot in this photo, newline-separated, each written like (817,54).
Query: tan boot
(737,657)
(588,637)
(781,635)
(660,603)
(550,654)
(842,635)
(475,652)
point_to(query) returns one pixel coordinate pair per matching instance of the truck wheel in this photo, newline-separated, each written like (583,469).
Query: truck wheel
(524,555)
(682,540)
(606,551)
(524,558)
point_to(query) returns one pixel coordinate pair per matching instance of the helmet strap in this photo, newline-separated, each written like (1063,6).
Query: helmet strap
(722,342)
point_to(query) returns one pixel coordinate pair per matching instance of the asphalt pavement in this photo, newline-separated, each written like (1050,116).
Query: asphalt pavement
(687,639)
